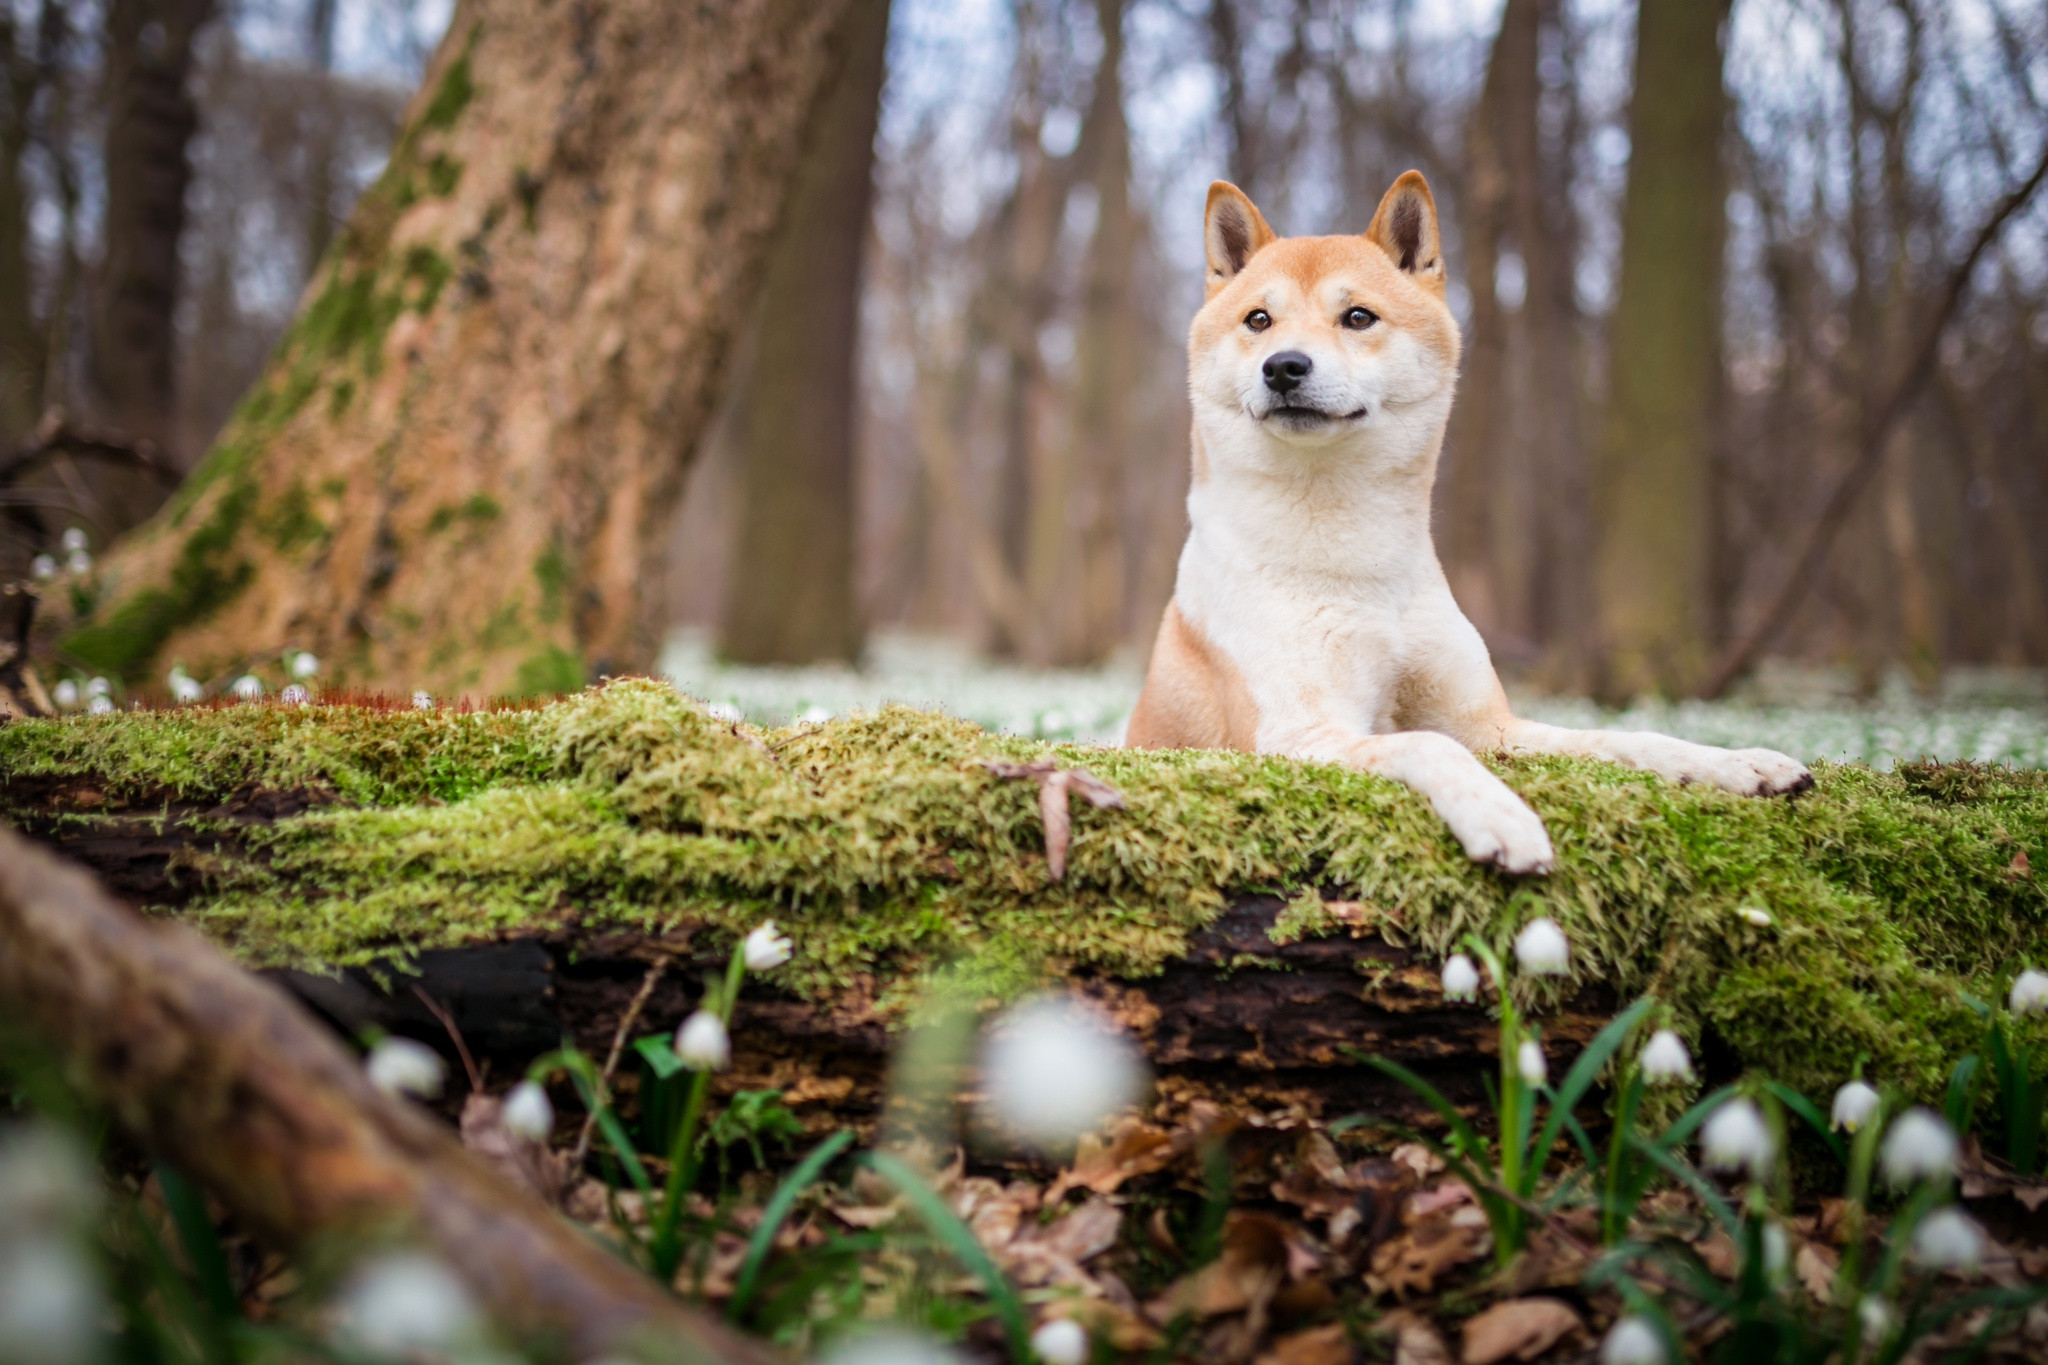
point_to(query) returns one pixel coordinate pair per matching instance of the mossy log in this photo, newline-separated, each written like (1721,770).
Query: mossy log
(1258,922)
(223,1076)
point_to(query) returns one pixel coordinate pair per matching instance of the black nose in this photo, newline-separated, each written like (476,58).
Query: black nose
(1285,371)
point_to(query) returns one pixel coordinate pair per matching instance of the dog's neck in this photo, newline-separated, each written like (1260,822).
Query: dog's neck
(1355,508)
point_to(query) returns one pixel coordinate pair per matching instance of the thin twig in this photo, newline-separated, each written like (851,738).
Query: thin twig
(1875,438)
(611,1061)
(447,1021)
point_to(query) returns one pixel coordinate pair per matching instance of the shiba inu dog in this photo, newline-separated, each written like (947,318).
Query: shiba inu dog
(1310,616)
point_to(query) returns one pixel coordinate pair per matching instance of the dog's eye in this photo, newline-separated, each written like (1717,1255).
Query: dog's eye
(1358,319)
(1258,319)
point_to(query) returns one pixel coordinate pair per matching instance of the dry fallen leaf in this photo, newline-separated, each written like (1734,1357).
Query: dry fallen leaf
(1416,1340)
(1134,1148)
(528,1164)
(1412,1262)
(1815,1265)
(1082,1232)
(1519,1329)
(1327,1345)
(1244,1277)
(1054,783)
(1418,1159)
(2019,867)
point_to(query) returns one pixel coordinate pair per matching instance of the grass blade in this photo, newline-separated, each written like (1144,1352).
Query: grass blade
(201,1242)
(1431,1096)
(964,1245)
(784,1199)
(1580,1078)
(1815,1120)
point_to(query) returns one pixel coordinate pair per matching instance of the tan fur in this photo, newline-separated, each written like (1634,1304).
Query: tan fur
(1310,616)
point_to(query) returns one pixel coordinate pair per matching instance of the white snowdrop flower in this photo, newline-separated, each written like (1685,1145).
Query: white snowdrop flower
(1855,1103)
(44,567)
(1054,1067)
(1920,1146)
(406,1302)
(765,948)
(304,665)
(51,1304)
(1665,1059)
(890,1346)
(528,1113)
(248,687)
(1756,915)
(100,706)
(423,701)
(703,1043)
(1529,1060)
(78,562)
(1877,1318)
(98,687)
(1541,948)
(1061,1341)
(1632,1341)
(73,539)
(1736,1138)
(724,712)
(294,694)
(47,1181)
(815,715)
(1461,978)
(1948,1239)
(400,1066)
(2029,992)
(184,690)
(65,694)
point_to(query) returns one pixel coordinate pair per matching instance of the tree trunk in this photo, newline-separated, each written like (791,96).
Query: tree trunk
(458,469)
(21,361)
(791,596)
(1654,484)
(151,119)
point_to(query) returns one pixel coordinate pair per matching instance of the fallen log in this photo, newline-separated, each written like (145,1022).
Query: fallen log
(222,1075)
(1256,922)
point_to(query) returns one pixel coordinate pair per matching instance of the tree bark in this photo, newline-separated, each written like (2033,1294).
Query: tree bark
(222,1075)
(792,592)
(151,119)
(459,467)
(1654,484)
(21,361)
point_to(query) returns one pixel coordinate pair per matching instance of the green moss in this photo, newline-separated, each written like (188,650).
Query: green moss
(456,90)
(207,575)
(443,173)
(553,670)
(290,524)
(429,271)
(889,852)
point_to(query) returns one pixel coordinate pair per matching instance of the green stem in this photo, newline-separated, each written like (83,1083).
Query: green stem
(682,1152)
(1614,1208)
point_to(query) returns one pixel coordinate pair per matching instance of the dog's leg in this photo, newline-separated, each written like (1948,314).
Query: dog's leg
(1748,772)
(1494,825)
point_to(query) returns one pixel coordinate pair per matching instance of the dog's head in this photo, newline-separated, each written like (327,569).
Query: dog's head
(1313,341)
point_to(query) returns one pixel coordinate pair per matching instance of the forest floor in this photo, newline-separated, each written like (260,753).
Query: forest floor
(1794,944)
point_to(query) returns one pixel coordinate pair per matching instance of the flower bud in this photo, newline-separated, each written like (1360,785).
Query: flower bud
(1632,1341)
(1736,1138)
(1665,1058)
(702,1042)
(1855,1103)
(1920,1146)
(248,687)
(765,949)
(1529,1060)
(2029,992)
(1948,1239)
(1541,948)
(400,1066)
(1062,1341)
(304,665)
(528,1113)
(1461,978)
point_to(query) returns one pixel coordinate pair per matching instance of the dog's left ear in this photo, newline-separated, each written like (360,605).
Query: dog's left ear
(1405,228)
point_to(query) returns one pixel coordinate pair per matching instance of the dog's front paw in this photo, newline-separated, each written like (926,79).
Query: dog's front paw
(1755,772)
(1497,827)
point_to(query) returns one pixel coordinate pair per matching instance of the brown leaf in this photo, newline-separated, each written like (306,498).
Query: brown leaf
(1815,1265)
(1430,1202)
(1243,1278)
(528,1164)
(1416,1340)
(1521,1329)
(1413,1261)
(1054,782)
(1134,1148)
(2019,868)
(1327,1345)
(1418,1159)
(1083,1232)
(865,1216)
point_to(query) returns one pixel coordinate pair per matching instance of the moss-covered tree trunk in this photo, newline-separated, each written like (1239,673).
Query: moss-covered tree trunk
(792,596)
(1653,490)
(456,471)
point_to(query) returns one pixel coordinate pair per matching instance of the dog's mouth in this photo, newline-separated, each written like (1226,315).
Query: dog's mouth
(1298,415)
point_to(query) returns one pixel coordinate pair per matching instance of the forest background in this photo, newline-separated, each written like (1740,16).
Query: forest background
(1755,299)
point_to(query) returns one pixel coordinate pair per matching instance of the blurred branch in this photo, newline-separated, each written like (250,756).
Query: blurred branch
(225,1077)
(56,436)
(1872,441)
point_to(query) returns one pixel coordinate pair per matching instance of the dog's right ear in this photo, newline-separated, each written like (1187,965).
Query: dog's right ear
(1233,229)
